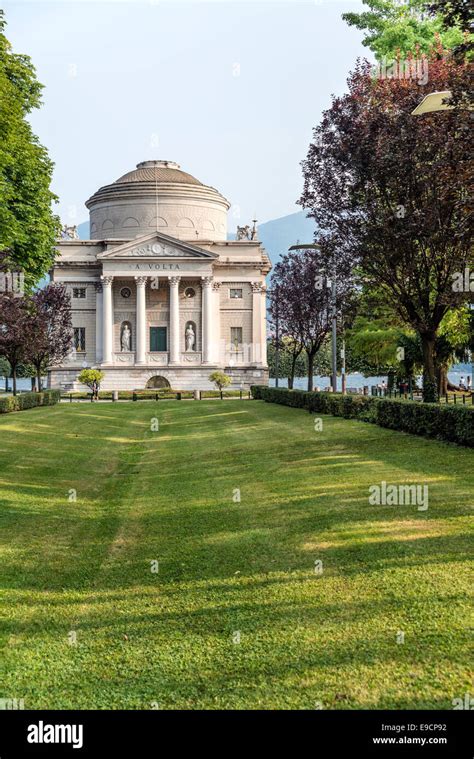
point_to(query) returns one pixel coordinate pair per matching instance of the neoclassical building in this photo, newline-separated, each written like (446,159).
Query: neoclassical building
(159,295)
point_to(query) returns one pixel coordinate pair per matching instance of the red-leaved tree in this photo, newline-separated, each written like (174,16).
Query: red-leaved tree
(391,192)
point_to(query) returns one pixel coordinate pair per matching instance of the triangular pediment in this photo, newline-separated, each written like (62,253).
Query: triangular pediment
(157,246)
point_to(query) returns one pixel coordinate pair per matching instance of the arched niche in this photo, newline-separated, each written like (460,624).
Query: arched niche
(157,382)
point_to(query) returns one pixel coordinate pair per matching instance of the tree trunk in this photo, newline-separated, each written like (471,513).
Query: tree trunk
(38,378)
(14,379)
(310,371)
(442,377)
(291,378)
(430,394)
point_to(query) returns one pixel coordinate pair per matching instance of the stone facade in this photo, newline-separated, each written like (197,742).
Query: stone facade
(173,302)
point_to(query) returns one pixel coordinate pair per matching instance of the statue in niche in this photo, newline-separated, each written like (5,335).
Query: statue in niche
(190,337)
(126,338)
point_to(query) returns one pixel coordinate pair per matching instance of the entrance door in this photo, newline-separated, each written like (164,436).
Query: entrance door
(158,339)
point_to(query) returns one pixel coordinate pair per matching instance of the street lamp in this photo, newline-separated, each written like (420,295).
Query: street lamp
(435,101)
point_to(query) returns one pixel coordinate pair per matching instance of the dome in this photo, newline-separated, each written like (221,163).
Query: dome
(158,195)
(158,171)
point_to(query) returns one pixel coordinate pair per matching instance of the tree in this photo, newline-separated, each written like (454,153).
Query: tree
(305,306)
(291,363)
(92,379)
(28,228)
(51,329)
(220,380)
(397,29)
(15,322)
(391,192)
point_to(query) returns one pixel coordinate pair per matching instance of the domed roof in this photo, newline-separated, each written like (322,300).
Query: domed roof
(158,171)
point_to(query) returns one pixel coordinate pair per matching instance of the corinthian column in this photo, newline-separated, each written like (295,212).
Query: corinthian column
(107,320)
(206,319)
(174,319)
(140,357)
(98,323)
(256,322)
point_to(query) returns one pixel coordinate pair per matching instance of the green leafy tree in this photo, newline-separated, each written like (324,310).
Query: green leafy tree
(220,380)
(291,362)
(92,379)
(28,228)
(394,27)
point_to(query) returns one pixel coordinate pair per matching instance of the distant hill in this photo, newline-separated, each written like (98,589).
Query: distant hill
(276,235)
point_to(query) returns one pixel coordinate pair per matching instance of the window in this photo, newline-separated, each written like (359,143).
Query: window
(190,292)
(78,292)
(80,338)
(235,292)
(236,337)
(158,339)
(125,292)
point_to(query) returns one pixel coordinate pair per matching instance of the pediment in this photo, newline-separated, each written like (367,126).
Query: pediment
(157,246)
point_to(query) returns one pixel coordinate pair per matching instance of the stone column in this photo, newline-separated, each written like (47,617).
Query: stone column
(98,323)
(174,320)
(206,319)
(263,329)
(107,320)
(216,323)
(140,356)
(256,322)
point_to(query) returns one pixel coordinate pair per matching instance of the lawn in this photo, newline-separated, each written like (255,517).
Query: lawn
(237,615)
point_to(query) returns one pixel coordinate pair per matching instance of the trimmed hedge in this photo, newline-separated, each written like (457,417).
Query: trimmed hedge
(452,423)
(25,401)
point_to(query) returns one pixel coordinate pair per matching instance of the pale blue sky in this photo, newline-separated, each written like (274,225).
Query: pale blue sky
(230,91)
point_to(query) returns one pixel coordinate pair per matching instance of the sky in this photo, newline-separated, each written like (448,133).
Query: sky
(229,90)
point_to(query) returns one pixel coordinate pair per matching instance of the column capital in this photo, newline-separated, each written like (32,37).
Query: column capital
(107,281)
(207,281)
(216,285)
(174,281)
(257,287)
(98,287)
(140,281)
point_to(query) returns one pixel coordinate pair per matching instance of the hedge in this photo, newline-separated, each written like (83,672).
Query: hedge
(451,423)
(25,401)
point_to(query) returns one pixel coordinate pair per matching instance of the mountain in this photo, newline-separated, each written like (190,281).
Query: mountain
(276,235)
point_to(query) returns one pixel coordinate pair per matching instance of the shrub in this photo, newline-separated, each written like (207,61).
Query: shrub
(451,423)
(28,400)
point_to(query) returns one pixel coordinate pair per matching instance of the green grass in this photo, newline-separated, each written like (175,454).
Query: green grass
(167,639)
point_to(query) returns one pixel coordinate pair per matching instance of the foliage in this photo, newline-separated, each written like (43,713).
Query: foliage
(394,27)
(390,192)
(28,400)
(220,379)
(91,378)
(452,423)
(15,321)
(303,298)
(51,330)
(28,228)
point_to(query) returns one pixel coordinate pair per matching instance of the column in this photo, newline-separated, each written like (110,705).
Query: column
(263,332)
(206,319)
(256,322)
(216,323)
(107,320)
(140,356)
(174,320)
(98,323)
